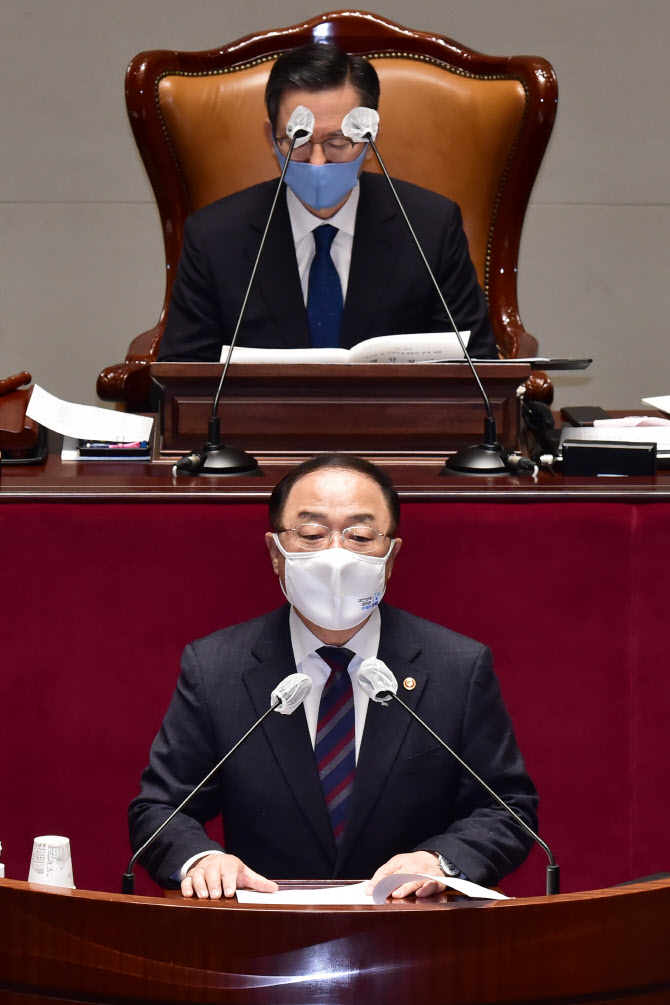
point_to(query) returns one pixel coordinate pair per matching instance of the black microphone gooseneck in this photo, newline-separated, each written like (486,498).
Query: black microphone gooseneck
(488,457)
(216,458)
(380,684)
(553,869)
(128,883)
(287,697)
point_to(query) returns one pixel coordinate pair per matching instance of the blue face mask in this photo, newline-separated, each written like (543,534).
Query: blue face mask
(322,186)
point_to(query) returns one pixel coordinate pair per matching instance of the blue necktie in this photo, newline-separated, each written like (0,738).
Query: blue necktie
(335,746)
(324,292)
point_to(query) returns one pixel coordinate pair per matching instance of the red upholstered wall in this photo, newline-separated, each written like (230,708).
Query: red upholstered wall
(99,599)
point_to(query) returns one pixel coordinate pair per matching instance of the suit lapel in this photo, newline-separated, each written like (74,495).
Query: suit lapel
(278,281)
(385,728)
(373,259)
(288,735)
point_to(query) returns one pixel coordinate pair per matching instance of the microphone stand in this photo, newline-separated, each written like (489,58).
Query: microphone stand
(215,457)
(128,881)
(487,457)
(553,869)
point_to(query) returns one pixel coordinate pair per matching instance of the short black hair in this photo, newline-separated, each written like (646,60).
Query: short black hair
(319,66)
(344,462)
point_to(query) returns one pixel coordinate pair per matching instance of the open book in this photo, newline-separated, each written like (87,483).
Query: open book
(383,349)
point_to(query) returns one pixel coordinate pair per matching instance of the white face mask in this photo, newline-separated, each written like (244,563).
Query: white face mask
(334,588)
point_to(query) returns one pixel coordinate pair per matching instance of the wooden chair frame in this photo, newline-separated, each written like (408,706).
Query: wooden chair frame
(369,35)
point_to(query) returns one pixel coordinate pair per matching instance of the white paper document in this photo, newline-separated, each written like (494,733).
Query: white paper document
(662,403)
(630,421)
(419,348)
(388,884)
(354,893)
(607,433)
(351,893)
(86,422)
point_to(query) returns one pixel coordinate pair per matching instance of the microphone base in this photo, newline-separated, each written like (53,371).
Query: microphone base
(482,459)
(553,880)
(128,884)
(224,460)
(218,460)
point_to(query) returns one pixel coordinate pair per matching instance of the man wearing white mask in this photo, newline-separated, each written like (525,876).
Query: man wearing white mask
(343,788)
(337,248)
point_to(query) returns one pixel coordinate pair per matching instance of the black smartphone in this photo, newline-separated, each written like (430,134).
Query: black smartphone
(584,415)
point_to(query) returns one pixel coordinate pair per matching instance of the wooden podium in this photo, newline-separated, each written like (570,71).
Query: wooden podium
(380,410)
(604,946)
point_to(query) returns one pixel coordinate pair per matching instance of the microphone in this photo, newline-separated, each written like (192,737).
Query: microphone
(215,458)
(377,680)
(380,685)
(487,458)
(291,693)
(286,697)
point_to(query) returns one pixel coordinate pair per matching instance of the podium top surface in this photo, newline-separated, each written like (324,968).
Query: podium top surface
(601,945)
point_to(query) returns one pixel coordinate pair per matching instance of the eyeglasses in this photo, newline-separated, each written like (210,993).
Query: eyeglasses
(315,537)
(335,150)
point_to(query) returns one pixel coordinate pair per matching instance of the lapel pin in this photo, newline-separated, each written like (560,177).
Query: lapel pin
(409,683)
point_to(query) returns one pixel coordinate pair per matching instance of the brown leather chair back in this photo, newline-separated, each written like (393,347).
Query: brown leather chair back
(470,126)
(446,132)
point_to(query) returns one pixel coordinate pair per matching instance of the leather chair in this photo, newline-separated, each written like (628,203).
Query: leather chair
(471,126)
(22,440)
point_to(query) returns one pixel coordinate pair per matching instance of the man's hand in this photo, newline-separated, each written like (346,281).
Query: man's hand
(214,873)
(416,861)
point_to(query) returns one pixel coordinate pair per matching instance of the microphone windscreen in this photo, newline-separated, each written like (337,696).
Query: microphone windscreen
(301,120)
(361,124)
(376,680)
(291,692)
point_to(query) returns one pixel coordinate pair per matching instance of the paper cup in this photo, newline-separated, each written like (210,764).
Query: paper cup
(51,864)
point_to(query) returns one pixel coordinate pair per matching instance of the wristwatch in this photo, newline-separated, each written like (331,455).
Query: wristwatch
(446,867)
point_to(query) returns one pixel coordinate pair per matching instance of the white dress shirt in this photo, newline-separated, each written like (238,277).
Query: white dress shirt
(364,645)
(303,223)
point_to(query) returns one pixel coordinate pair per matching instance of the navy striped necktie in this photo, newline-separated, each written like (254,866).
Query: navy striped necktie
(335,746)
(324,292)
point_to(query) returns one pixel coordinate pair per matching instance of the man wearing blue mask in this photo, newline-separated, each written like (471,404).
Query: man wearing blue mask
(339,265)
(344,787)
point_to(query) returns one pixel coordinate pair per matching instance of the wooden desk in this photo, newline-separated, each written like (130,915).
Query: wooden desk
(285,411)
(416,480)
(605,946)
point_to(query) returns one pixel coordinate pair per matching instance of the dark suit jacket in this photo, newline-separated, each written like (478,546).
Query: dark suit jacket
(389,291)
(408,792)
